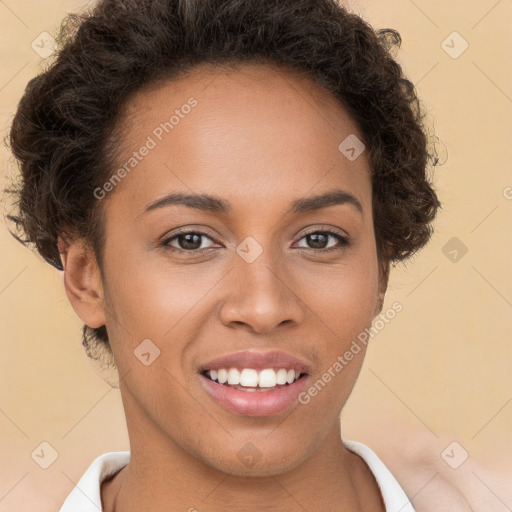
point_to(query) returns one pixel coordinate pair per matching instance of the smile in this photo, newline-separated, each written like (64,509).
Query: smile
(254,393)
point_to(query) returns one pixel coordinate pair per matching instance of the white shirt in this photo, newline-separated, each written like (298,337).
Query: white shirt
(86,497)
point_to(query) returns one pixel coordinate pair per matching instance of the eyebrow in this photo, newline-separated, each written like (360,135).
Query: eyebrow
(206,202)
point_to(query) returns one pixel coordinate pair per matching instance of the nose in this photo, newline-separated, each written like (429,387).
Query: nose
(261,296)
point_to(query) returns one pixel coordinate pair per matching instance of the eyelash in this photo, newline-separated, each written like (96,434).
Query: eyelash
(344,241)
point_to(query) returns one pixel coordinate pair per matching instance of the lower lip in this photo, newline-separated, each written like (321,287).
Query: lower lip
(255,403)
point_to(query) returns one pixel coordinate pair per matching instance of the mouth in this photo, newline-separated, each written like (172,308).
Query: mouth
(252,383)
(266,396)
(254,380)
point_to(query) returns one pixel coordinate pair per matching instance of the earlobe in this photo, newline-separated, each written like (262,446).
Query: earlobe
(82,281)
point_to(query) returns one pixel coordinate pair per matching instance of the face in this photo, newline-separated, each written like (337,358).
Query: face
(259,268)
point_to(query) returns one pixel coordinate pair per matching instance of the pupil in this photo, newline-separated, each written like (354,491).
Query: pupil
(186,237)
(314,240)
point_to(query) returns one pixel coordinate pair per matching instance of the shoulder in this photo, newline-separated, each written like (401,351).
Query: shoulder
(440,474)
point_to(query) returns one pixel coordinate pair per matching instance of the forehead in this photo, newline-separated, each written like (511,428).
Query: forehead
(255,130)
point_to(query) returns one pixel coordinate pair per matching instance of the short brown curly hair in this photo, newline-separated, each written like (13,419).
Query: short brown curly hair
(62,133)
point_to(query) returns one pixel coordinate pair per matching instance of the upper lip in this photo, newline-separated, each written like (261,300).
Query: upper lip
(258,361)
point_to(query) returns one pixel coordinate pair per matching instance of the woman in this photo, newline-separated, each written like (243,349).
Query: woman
(225,184)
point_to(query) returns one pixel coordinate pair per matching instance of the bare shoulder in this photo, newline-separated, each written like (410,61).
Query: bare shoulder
(441,475)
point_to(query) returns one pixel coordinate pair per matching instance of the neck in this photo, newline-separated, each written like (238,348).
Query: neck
(337,481)
(164,475)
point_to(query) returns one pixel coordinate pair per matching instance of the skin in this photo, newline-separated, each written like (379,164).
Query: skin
(260,137)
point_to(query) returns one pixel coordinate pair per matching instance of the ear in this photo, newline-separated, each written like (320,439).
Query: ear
(82,281)
(382,287)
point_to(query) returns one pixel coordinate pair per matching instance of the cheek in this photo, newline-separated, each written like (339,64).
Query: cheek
(150,297)
(165,304)
(342,296)
(343,310)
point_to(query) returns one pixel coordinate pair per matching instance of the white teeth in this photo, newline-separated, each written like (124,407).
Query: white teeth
(248,377)
(233,376)
(281,376)
(267,378)
(222,375)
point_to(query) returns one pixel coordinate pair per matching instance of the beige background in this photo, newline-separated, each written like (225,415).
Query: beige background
(439,372)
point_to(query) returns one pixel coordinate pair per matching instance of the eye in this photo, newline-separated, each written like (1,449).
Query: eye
(319,239)
(192,241)
(187,241)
